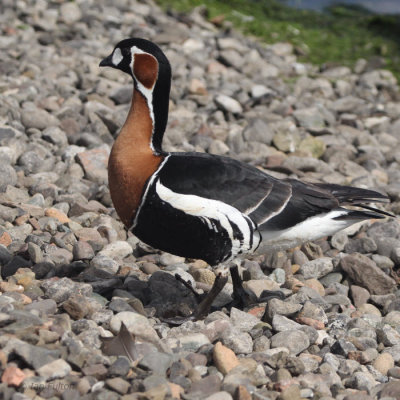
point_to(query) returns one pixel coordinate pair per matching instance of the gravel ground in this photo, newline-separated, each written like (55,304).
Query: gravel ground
(71,275)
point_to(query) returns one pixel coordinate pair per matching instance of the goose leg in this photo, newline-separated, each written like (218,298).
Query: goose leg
(204,301)
(241,297)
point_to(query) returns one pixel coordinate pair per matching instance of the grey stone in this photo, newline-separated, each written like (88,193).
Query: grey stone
(281,323)
(310,118)
(361,245)
(228,104)
(70,13)
(104,263)
(382,262)
(121,95)
(61,289)
(276,306)
(188,342)
(360,295)
(316,268)
(34,356)
(118,249)
(364,272)
(258,131)
(313,311)
(388,336)
(55,369)
(295,341)
(239,342)
(56,136)
(120,367)
(8,176)
(242,320)
(82,251)
(38,118)
(35,253)
(156,362)
(45,307)
(137,324)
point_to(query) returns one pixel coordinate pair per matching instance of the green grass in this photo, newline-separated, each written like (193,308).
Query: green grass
(339,36)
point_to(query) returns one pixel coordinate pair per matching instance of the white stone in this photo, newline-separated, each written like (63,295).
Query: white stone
(228,104)
(136,324)
(118,249)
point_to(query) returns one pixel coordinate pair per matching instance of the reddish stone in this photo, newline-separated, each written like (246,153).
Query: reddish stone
(13,376)
(311,322)
(5,239)
(257,311)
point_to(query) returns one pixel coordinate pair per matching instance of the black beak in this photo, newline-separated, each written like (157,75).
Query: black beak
(107,62)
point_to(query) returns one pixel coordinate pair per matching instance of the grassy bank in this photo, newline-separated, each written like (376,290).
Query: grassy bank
(339,36)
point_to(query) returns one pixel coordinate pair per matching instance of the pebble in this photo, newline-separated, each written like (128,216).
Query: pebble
(359,294)
(13,376)
(242,320)
(224,358)
(276,306)
(363,271)
(82,251)
(316,268)
(70,13)
(38,118)
(33,355)
(60,290)
(137,324)
(94,164)
(239,342)
(118,249)
(294,340)
(55,213)
(281,323)
(77,306)
(156,362)
(383,363)
(55,369)
(228,104)
(104,263)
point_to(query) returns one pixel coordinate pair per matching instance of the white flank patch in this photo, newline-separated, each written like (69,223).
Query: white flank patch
(146,92)
(208,210)
(308,230)
(117,56)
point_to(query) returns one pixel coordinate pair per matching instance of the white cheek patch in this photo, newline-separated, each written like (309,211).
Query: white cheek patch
(117,56)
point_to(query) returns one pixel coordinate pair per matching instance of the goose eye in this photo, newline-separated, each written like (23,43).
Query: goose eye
(126,52)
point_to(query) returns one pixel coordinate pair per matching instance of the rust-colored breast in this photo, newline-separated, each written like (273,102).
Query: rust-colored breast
(132,161)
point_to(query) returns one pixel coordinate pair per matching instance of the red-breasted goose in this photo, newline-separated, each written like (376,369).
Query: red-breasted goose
(204,206)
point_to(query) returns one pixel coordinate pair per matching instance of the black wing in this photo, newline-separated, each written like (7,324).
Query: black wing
(221,178)
(271,203)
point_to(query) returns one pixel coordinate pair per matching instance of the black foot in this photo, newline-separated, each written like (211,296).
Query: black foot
(204,301)
(241,298)
(204,307)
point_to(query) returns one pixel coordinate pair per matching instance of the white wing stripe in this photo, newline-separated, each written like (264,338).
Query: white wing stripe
(208,210)
(253,208)
(279,210)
